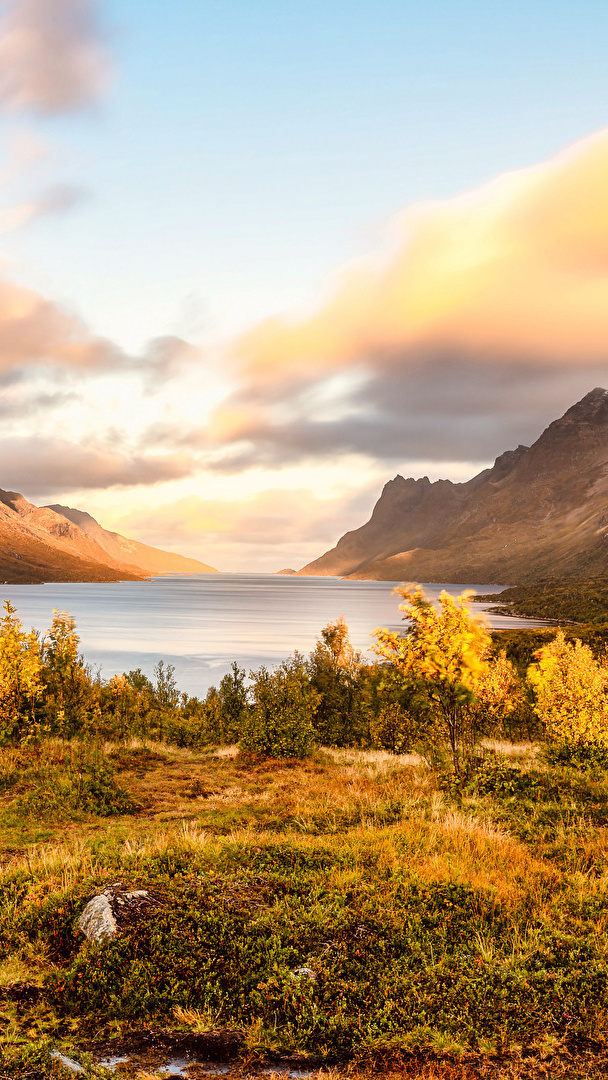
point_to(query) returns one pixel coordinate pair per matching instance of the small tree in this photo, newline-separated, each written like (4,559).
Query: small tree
(20,677)
(498,694)
(391,728)
(232,705)
(571,692)
(68,694)
(334,667)
(397,715)
(280,721)
(445,653)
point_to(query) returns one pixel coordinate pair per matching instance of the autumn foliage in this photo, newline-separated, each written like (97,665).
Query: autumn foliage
(571,692)
(438,688)
(445,656)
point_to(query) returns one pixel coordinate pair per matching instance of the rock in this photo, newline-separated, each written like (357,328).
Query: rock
(304,973)
(67,1062)
(114,909)
(97,921)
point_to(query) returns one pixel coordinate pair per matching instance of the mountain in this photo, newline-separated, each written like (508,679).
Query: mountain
(40,544)
(154,560)
(539,511)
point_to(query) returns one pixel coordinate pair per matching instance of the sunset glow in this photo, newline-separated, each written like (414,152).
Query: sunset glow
(231,308)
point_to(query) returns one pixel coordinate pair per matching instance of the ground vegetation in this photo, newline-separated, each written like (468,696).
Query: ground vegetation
(565,601)
(330,880)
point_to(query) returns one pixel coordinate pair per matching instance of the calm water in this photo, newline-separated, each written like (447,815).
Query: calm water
(201,623)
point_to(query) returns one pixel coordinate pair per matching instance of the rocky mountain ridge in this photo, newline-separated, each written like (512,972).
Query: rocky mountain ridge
(539,511)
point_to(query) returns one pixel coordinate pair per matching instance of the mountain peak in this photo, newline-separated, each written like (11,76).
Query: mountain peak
(537,511)
(593,406)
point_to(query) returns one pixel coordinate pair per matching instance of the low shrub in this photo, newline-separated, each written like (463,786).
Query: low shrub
(89,788)
(280,722)
(577,755)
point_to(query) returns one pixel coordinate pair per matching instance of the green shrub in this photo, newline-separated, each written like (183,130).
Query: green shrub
(579,755)
(389,962)
(496,777)
(280,721)
(86,787)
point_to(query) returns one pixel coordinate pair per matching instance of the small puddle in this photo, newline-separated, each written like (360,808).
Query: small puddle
(67,1062)
(178,1066)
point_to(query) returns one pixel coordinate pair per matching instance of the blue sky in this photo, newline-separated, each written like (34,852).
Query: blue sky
(246,149)
(238,157)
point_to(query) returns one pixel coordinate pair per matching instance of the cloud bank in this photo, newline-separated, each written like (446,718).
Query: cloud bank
(270,529)
(489,311)
(43,465)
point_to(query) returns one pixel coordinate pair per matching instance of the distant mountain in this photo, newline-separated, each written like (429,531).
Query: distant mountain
(39,544)
(154,560)
(539,511)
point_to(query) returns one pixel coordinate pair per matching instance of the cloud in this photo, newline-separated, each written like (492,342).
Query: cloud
(165,357)
(36,331)
(437,410)
(18,401)
(38,466)
(518,267)
(481,301)
(54,200)
(52,55)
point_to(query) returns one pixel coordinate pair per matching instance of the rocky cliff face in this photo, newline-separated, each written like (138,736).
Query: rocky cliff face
(539,511)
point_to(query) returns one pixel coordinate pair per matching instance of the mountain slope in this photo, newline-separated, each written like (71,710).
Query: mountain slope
(154,560)
(539,511)
(38,545)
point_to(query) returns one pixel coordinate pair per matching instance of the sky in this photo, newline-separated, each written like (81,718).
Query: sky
(258,257)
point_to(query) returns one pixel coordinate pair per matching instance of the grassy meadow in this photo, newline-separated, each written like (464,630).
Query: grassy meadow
(446,932)
(353,911)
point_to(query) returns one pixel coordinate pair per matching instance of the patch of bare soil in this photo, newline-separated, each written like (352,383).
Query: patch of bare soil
(574,1060)
(224,1045)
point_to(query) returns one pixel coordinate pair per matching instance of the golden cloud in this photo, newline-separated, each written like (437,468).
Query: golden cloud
(517,268)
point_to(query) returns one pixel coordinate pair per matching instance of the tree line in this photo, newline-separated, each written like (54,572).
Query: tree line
(438,689)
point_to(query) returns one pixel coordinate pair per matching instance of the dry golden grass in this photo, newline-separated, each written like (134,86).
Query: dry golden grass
(377,809)
(308,800)
(372,761)
(512,750)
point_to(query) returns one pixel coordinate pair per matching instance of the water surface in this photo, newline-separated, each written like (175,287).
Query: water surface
(202,622)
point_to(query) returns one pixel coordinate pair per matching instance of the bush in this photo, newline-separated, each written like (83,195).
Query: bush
(571,691)
(87,787)
(496,777)
(335,670)
(280,722)
(578,755)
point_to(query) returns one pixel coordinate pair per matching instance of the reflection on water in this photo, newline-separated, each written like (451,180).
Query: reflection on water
(202,622)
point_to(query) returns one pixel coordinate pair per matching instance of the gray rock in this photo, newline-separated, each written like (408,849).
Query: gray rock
(305,973)
(113,909)
(97,921)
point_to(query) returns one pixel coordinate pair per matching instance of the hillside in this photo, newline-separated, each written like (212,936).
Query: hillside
(54,543)
(39,545)
(539,511)
(154,560)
